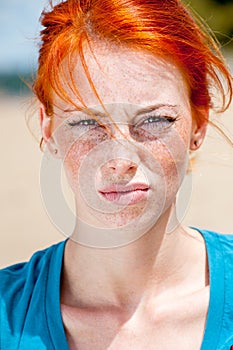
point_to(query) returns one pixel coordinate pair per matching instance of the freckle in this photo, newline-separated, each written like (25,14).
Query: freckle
(126,216)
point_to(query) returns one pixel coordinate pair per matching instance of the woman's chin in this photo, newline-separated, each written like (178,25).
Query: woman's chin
(137,217)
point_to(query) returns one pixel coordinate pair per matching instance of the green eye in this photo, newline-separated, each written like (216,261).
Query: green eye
(84,122)
(158,119)
(152,120)
(152,126)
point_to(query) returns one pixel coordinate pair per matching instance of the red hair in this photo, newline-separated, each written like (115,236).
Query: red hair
(162,27)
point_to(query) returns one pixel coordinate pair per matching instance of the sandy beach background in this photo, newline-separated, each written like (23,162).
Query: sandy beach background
(25,226)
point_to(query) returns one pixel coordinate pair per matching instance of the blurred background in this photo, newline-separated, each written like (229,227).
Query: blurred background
(24,225)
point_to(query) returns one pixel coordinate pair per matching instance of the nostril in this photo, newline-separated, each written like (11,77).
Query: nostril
(112,167)
(120,166)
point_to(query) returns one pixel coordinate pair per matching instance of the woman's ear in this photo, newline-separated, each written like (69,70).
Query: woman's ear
(198,132)
(46,130)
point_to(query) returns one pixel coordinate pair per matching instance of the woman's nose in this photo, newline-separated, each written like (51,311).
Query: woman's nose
(122,166)
(119,168)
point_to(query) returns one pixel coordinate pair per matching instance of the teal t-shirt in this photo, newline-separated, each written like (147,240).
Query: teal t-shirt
(30,317)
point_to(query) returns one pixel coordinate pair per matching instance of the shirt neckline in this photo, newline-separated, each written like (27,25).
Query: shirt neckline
(215,308)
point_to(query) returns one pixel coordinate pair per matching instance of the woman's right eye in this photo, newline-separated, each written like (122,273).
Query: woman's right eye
(87,129)
(83,123)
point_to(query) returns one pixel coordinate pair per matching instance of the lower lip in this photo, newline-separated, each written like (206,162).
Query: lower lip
(125,198)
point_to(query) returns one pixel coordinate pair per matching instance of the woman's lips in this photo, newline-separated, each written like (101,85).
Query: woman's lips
(125,195)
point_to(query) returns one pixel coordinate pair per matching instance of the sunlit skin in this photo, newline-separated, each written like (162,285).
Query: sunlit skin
(124,297)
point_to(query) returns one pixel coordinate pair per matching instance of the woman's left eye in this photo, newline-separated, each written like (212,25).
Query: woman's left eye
(159,120)
(152,127)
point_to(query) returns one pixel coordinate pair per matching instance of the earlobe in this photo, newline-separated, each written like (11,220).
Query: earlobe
(46,131)
(199,129)
(198,136)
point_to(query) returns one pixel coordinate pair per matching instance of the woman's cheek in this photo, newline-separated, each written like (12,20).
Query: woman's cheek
(172,161)
(73,160)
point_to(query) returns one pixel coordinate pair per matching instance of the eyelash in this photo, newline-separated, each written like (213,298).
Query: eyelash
(157,119)
(75,123)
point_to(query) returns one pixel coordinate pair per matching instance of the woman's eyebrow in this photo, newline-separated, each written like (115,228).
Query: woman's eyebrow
(95,112)
(86,111)
(154,107)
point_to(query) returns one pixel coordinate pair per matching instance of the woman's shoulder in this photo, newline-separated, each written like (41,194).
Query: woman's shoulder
(215,237)
(14,277)
(219,248)
(23,290)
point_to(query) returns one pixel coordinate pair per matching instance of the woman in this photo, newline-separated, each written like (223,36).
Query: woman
(125,89)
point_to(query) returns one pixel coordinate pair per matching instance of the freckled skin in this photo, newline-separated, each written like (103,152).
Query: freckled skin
(156,277)
(128,78)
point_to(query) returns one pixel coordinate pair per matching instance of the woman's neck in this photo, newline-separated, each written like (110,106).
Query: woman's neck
(120,277)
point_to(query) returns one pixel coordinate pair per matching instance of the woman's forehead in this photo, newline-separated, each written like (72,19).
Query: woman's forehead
(123,76)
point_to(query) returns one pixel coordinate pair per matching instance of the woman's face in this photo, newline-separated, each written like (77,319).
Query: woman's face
(129,177)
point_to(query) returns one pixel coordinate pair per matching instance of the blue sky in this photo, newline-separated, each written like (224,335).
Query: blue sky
(19,32)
